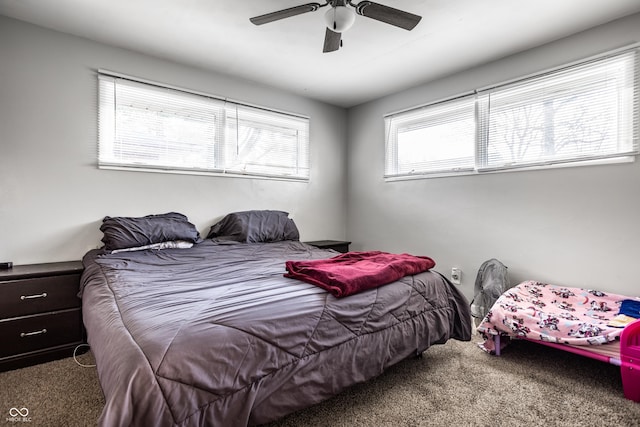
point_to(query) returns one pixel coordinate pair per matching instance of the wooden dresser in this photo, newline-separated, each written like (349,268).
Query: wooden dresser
(40,313)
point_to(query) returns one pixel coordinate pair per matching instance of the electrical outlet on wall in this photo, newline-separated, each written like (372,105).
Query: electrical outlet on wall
(456,275)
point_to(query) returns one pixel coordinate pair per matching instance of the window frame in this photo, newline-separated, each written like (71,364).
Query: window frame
(430,117)
(482,117)
(295,164)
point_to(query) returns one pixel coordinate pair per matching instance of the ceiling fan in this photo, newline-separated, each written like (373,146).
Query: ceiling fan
(341,17)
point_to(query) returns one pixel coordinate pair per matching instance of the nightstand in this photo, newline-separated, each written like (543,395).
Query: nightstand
(40,313)
(336,245)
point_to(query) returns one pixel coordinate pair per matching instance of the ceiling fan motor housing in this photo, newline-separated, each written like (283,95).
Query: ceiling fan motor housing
(340,18)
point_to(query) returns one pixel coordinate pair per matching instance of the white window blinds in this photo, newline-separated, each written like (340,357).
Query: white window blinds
(435,138)
(587,111)
(260,142)
(153,127)
(579,113)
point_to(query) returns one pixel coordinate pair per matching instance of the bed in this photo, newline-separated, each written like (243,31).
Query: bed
(591,323)
(210,332)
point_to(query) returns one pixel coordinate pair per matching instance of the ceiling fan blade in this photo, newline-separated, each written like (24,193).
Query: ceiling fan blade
(387,14)
(285,13)
(331,41)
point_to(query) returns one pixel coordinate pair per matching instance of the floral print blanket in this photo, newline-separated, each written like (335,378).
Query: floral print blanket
(544,312)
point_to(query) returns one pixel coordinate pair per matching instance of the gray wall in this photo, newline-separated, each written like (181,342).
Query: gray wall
(573,226)
(53,197)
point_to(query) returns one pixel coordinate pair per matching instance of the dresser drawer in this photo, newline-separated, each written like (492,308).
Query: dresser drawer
(36,295)
(37,332)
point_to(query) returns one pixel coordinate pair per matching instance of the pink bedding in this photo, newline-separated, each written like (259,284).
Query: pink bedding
(353,272)
(544,312)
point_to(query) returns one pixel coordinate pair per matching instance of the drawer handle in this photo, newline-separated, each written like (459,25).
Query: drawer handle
(42,295)
(29,334)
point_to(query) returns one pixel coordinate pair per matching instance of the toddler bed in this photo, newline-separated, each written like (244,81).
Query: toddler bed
(595,324)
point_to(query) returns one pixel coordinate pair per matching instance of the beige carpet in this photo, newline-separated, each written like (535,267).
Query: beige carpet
(58,393)
(454,384)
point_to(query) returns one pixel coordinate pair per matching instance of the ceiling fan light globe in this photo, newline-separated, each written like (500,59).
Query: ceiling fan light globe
(339,18)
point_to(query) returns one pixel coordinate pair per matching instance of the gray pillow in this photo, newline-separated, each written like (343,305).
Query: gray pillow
(128,232)
(255,226)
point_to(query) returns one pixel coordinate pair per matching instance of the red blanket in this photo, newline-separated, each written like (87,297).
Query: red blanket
(352,272)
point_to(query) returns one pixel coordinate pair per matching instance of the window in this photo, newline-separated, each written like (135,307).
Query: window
(152,127)
(582,112)
(438,138)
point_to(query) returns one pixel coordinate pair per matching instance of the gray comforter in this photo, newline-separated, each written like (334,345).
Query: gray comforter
(215,335)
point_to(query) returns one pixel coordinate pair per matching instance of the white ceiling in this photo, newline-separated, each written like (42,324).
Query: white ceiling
(377,59)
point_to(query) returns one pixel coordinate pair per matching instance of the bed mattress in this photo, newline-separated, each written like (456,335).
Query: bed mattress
(215,335)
